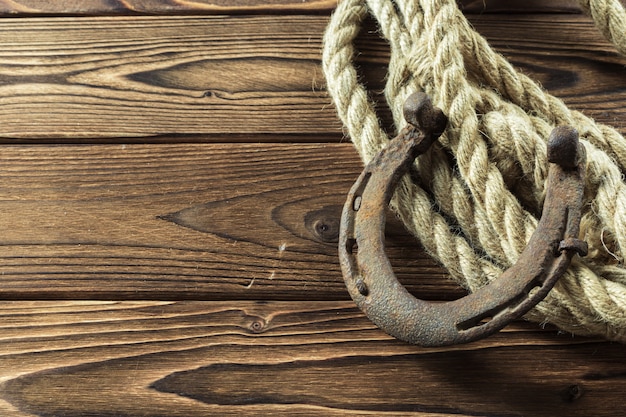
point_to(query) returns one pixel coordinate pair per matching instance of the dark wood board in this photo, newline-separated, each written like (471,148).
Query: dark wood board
(186,221)
(169,7)
(70,77)
(102,7)
(519,6)
(284,359)
(215,78)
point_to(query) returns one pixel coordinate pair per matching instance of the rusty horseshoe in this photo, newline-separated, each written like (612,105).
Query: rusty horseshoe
(368,274)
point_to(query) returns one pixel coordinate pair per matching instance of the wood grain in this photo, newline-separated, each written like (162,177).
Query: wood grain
(218,235)
(211,78)
(519,6)
(187,221)
(158,76)
(287,359)
(104,7)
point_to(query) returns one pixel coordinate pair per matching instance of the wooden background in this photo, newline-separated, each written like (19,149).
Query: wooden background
(171,178)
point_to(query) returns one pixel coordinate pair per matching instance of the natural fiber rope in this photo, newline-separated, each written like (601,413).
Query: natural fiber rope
(481,187)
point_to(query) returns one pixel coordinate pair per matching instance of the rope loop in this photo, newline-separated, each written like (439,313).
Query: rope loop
(482,185)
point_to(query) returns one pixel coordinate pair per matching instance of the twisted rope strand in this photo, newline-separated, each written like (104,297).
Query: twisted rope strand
(609,16)
(492,186)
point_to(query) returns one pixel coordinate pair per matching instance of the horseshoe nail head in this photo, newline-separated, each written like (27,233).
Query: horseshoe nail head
(368,274)
(419,112)
(564,147)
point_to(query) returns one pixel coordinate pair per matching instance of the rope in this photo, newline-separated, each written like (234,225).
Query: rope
(479,190)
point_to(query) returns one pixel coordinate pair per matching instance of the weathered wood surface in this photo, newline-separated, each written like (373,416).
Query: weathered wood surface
(127,76)
(186,221)
(519,6)
(102,7)
(191,168)
(124,77)
(285,359)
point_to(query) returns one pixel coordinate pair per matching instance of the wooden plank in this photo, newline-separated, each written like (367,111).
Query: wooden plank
(519,6)
(125,77)
(104,7)
(284,359)
(70,79)
(187,221)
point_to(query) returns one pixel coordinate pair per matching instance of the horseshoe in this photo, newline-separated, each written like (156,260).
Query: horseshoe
(368,274)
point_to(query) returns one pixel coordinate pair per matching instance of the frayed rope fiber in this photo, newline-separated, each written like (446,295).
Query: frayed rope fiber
(477,195)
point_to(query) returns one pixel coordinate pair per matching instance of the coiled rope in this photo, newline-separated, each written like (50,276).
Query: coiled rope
(477,195)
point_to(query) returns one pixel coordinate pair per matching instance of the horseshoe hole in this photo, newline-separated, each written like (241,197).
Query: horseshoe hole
(487,316)
(477,321)
(533,291)
(533,288)
(530,292)
(358,193)
(362,287)
(351,246)
(351,249)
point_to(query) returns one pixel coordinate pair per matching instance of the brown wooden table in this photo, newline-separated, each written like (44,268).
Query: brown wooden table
(170,185)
